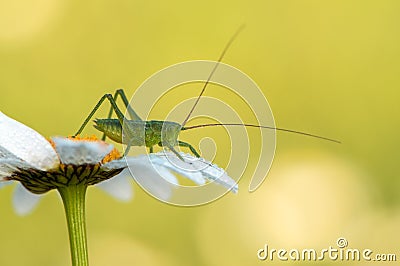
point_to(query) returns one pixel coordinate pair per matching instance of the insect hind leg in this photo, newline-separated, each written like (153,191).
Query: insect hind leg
(192,149)
(171,148)
(132,113)
(114,107)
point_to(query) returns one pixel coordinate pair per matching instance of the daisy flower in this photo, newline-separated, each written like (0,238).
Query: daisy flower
(70,165)
(41,165)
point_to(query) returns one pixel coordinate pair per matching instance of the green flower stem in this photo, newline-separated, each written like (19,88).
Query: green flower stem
(73,197)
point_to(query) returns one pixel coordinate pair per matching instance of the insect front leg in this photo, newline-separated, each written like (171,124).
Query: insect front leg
(113,106)
(192,149)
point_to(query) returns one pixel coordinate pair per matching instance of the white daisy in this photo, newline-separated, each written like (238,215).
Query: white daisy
(41,165)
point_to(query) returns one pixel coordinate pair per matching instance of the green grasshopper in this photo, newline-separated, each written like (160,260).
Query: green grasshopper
(136,132)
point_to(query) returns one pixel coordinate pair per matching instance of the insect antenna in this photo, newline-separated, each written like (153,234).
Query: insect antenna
(213,71)
(266,127)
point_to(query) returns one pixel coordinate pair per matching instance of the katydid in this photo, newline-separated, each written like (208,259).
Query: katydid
(137,132)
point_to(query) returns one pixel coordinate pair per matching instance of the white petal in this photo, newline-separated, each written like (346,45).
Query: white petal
(168,176)
(81,152)
(213,172)
(10,165)
(154,168)
(4,153)
(123,163)
(5,183)
(24,201)
(7,168)
(155,179)
(172,162)
(158,185)
(200,166)
(115,164)
(26,144)
(118,187)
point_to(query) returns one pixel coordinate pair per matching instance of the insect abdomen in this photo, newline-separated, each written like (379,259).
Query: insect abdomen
(111,127)
(140,133)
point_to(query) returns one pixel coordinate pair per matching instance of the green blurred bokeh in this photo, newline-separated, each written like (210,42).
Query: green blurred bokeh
(327,67)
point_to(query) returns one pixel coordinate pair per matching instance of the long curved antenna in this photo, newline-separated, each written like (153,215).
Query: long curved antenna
(213,71)
(267,127)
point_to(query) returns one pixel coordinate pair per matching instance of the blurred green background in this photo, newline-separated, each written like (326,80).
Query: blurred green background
(327,67)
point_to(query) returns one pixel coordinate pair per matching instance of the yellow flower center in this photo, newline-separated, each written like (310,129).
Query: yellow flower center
(113,155)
